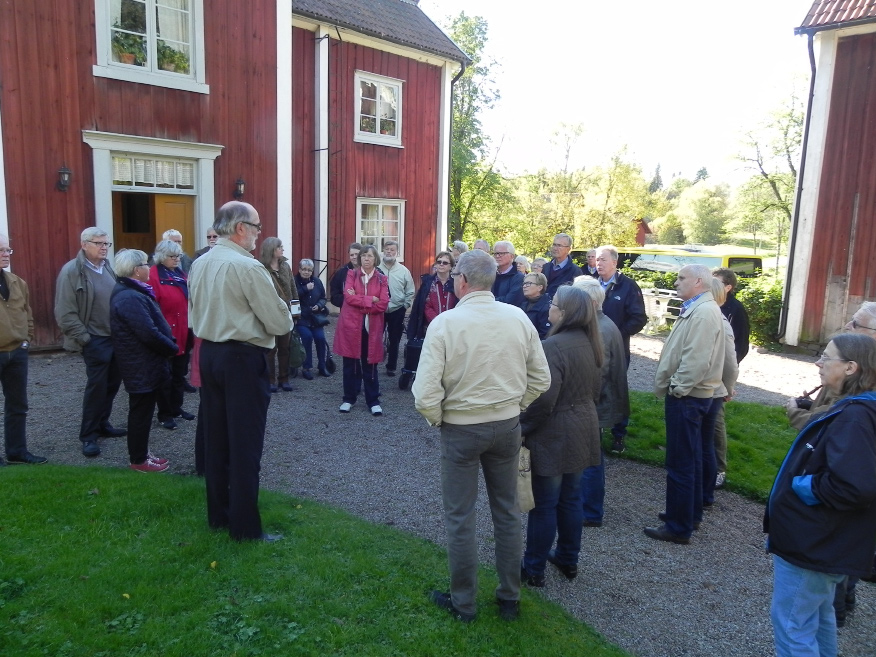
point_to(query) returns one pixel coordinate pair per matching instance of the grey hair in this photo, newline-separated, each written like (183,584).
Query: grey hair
(524,260)
(164,250)
(92,232)
(305,262)
(591,252)
(369,248)
(592,287)
(479,269)
(610,249)
(231,214)
(541,261)
(482,242)
(702,272)
(127,260)
(508,245)
(539,279)
(565,236)
(460,246)
(868,308)
(173,232)
(390,243)
(718,290)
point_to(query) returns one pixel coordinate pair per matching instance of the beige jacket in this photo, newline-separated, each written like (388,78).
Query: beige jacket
(482,361)
(692,360)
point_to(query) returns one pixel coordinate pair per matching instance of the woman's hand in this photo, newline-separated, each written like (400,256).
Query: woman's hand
(351,291)
(375,299)
(315,308)
(309,286)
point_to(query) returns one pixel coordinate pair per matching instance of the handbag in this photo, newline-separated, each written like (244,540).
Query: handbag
(320,320)
(524,481)
(296,350)
(330,361)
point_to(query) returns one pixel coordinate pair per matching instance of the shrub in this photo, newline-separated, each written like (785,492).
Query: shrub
(762,298)
(651,279)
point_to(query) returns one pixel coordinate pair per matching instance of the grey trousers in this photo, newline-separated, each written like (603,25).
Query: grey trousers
(495,447)
(721,441)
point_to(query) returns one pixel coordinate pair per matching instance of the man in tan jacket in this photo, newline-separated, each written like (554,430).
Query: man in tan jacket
(689,376)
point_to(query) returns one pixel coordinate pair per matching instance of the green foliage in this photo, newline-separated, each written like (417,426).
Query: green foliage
(762,298)
(648,280)
(668,229)
(171,59)
(702,211)
(108,562)
(758,437)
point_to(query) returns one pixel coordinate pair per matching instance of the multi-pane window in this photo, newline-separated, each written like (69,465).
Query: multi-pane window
(153,34)
(149,173)
(380,220)
(378,109)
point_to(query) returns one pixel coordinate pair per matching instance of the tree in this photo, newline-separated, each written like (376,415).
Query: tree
(656,182)
(703,213)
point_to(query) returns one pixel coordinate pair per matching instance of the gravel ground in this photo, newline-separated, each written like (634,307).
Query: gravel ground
(653,599)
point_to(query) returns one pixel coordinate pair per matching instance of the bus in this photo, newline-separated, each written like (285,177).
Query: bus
(672,259)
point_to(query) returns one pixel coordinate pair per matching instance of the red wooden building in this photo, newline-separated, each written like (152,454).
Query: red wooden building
(832,268)
(333,114)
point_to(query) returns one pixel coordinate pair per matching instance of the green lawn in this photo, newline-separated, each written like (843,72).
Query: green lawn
(758,437)
(100,562)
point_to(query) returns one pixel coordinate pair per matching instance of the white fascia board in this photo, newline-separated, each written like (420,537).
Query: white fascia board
(358,38)
(284,121)
(825,44)
(446,117)
(112,141)
(321,161)
(4,209)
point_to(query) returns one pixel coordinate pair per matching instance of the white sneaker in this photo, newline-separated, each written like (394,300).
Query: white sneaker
(345,407)
(376,410)
(720,479)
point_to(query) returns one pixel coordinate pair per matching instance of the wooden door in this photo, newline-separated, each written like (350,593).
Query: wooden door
(176,211)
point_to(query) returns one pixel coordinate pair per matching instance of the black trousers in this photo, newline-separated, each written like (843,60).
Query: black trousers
(103,383)
(235,394)
(141,406)
(395,328)
(172,393)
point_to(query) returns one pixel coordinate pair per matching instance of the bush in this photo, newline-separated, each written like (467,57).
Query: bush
(650,279)
(762,298)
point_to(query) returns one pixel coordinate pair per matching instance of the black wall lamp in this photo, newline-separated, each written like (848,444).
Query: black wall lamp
(239,188)
(64,175)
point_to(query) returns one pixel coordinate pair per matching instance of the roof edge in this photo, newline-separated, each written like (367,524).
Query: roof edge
(834,26)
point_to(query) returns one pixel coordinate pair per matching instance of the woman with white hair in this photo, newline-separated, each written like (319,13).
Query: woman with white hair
(171,290)
(143,344)
(522,263)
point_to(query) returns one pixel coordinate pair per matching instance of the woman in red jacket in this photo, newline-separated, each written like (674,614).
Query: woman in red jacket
(171,291)
(359,334)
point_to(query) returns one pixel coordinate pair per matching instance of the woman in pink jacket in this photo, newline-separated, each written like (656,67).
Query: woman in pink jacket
(359,334)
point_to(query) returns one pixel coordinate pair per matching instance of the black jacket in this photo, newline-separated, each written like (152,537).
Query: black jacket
(141,337)
(625,306)
(538,314)
(821,513)
(336,285)
(508,288)
(310,298)
(735,313)
(417,318)
(563,276)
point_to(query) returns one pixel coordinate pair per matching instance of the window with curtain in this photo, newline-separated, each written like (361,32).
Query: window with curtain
(155,35)
(378,109)
(143,173)
(380,220)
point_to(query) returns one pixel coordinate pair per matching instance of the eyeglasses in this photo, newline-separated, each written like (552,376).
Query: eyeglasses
(258,227)
(528,283)
(501,253)
(100,244)
(854,323)
(6,251)
(212,237)
(455,274)
(442,262)
(562,246)
(822,358)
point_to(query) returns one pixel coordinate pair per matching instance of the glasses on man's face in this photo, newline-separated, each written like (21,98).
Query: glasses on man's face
(455,274)
(258,227)
(100,245)
(212,237)
(501,253)
(562,246)
(6,251)
(442,262)
(854,322)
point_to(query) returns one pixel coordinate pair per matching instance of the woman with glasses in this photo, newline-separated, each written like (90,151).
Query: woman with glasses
(821,512)
(536,304)
(171,290)
(314,316)
(271,256)
(142,343)
(537,265)
(359,334)
(434,297)
(561,430)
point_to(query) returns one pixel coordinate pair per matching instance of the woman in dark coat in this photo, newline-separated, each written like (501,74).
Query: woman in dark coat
(171,290)
(536,303)
(314,316)
(821,512)
(142,344)
(271,256)
(561,429)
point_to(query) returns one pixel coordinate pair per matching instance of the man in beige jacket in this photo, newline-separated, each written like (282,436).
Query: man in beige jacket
(689,377)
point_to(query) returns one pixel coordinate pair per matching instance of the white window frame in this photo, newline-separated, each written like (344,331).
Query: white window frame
(367,137)
(155,189)
(196,81)
(382,202)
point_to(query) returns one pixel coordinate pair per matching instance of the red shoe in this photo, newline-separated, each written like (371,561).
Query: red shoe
(156,459)
(149,466)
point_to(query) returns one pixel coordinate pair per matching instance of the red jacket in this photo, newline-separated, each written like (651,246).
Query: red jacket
(348,333)
(174,304)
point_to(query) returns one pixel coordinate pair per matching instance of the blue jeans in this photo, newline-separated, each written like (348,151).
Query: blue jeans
(802,611)
(684,462)
(593,491)
(308,335)
(13,377)
(557,513)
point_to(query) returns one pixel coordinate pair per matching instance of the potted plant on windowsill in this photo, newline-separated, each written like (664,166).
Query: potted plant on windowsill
(171,59)
(128,48)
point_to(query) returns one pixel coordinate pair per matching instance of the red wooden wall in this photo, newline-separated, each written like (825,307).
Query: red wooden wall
(49,95)
(841,272)
(303,147)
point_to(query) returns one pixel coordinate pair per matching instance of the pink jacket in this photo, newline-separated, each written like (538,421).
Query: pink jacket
(348,333)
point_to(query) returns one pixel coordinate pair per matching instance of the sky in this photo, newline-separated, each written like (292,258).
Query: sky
(677,82)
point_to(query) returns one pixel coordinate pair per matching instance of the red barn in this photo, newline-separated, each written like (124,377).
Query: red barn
(332,117)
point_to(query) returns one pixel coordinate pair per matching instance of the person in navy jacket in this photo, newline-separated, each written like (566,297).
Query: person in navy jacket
(560,270)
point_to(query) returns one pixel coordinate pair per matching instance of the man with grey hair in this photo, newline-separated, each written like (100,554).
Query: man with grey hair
(82,311)
(235,310)
(481,365)
(508,286)
(185,262)
(590,269)
(614,400)
(560,270)
(458,248)
(689,376)
(482,245)
(401,296)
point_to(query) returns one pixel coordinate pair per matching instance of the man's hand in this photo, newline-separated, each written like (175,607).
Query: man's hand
(791,404)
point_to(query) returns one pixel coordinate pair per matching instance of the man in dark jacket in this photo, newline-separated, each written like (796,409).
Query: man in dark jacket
(508,286)
(336,284)
(625,306)
(735,313)
(560,270)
